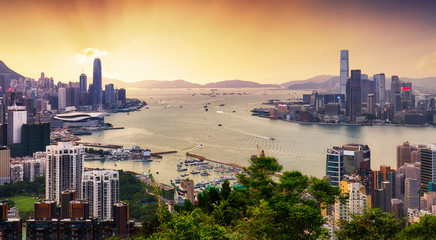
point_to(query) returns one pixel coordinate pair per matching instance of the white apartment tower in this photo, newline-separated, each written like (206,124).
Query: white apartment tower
(64,169)
(357,203)
(101,189)
(344,73)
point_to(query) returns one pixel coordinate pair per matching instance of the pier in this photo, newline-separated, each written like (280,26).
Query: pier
(100,145)
(202,158)
(158,154)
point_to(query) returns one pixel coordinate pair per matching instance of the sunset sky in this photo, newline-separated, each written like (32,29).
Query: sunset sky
(268,41)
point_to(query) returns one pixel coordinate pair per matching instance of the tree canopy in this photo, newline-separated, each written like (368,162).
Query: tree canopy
(287,207)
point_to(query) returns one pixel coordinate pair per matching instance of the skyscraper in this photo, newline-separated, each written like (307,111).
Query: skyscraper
(411,193)
(344,71)
(380,82)
(428,167)
(17,117)
(101,189)
(109,93)
(353,96)
(64,169)
(62,98)
(83,83)
(335,165)
(370,105)
(97,85)
(5,165)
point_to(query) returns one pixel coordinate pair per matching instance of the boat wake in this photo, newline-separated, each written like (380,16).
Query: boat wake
(195,147)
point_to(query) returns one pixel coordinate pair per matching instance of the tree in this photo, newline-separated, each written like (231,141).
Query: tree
(424,229)
(373,224)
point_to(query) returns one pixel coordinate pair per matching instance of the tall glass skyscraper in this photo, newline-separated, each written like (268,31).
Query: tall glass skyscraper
(83,83)
(97,85)
(380,89)
(344,74)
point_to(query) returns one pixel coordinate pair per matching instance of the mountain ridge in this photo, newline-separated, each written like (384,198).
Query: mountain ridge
(320,82)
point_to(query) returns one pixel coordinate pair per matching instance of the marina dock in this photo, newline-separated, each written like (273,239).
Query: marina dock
(202,158)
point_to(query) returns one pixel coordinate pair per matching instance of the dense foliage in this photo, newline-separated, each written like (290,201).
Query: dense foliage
(287,208)
(36,188)
(99,152)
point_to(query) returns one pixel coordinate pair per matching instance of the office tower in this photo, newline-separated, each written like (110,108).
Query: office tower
(62,98)
(122,95)
(411,193)
(17,117)
(383,197)
(97,85)
(5,166)
(380,80)
(72,96)
(79,209)
(428,167)
(66,197)
(356,156)
(109,93)
(34,138)
(45,209)
(371,104)
(366,87)
(28,102)
(64,169)
(335,165)
(356,204)
(83,83)
(353,96)
(101,189)
(385,174)
(121,219)
(344,71)
(404,154)
(407,99)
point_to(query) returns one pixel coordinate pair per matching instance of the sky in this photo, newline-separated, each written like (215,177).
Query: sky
(201,41)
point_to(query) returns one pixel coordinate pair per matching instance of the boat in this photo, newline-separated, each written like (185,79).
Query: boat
(182,169)
(222,105)
(195,171)
(204,173)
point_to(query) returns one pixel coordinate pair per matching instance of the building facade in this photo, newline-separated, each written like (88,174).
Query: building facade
(64,169)
(101,189)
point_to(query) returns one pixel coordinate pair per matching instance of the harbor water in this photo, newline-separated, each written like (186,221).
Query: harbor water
(224,130)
